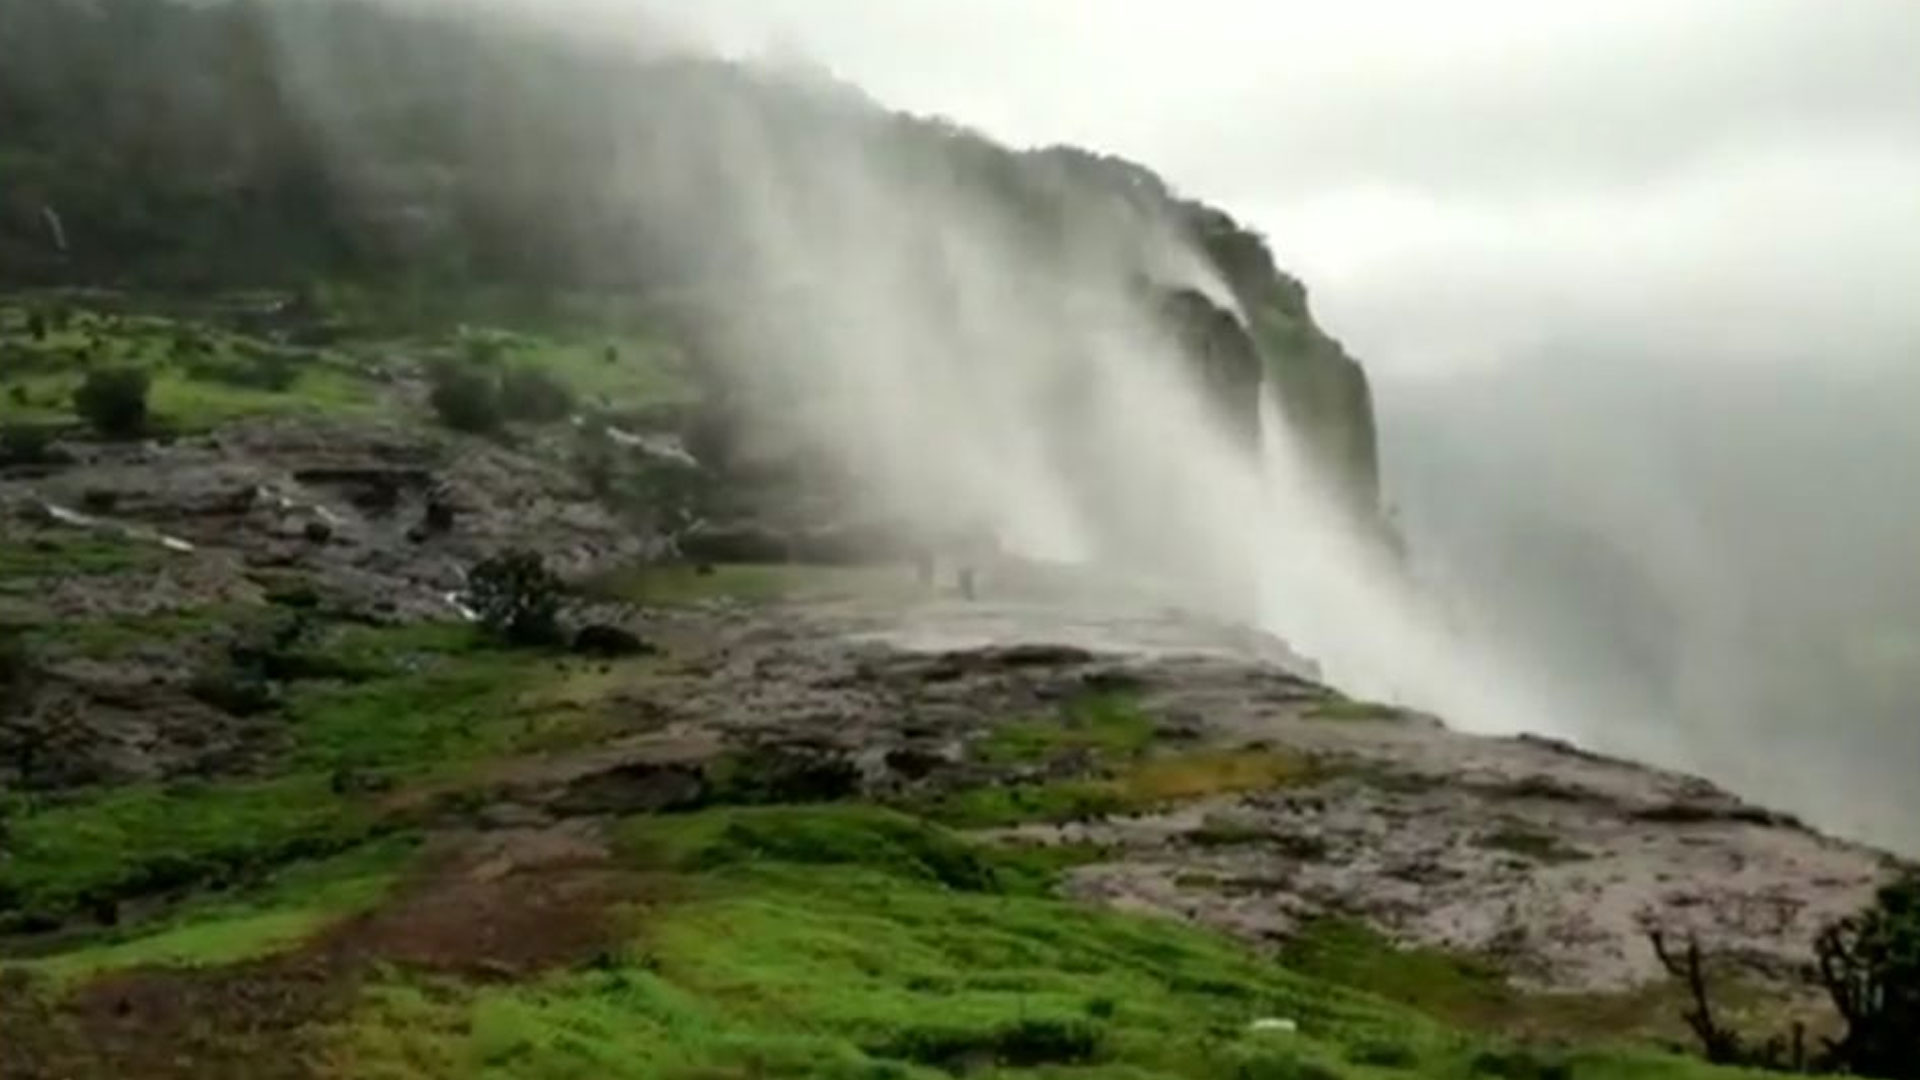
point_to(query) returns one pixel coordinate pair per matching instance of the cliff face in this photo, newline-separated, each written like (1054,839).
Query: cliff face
(1322,391)
(231,144)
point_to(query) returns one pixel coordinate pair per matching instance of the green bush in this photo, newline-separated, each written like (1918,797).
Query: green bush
(466,400)
(272,370)
(1870,964)
(235,691)
(23,444)
(1520,1063)
(482,351)
(846,835)
(114,401)
(1026,1043)
(19,669)
(1384,1053)
(517,598)
(532,394)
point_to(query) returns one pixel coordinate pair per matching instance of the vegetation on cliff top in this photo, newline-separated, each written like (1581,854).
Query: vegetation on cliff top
(422,157)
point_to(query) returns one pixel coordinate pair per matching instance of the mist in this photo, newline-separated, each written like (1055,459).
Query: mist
(1628,278)
(1631,280)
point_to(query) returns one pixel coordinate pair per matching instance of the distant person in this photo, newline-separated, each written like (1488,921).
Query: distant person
(923,564)
(974,548)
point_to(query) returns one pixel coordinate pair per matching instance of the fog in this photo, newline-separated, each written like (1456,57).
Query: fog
(1633,281)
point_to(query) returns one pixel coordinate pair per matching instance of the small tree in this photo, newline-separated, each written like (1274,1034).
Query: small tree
(517,598)
(1870,964)
(466,400)
(114,401)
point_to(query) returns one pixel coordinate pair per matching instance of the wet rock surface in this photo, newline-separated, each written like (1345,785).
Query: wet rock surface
(385,518)
(1551,860)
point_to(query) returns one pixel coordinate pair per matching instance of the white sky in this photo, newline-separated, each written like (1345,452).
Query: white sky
(1473,181)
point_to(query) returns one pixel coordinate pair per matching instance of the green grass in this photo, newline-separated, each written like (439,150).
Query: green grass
(682,585)
(1105,725)
(1470,992)
(199,391)
(822,942)
(183,403)
(286,910)
(1532,844)
(72,853)
(646,373)
(1144,784)
(1347,709)
(73,555)
(433,702)
(839,835)
(446,712)
(849,941)
(186,395)
(1111,734)
(1456,986)
(104,639)
(1220,832)
(433,697)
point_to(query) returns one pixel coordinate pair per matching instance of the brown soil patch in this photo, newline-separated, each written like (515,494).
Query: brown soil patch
(504,905)
(500,906)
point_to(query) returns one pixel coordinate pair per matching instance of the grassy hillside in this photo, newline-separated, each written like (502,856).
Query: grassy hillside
(329,910)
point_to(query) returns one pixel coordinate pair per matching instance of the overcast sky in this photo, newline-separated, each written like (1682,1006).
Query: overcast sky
(1476,181)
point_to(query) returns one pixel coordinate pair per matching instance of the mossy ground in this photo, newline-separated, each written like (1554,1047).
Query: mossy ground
(207,369)
(416,703)
(806,941)
(1096,756)
(1103,724)
(682,585)
(287,921)
(1472,992)
(23,565)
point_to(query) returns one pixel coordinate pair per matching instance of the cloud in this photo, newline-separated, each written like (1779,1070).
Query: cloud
(1469,183)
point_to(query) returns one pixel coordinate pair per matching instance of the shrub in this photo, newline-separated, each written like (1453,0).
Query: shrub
(19,669)
(533,394)
(1281,1064)
(235,691)
(482,351)
(1024,1043)
(466,400)
(1384,1053)
(22,444)
(114,401)
(1870,964)
(1520,1063)
(272,370)
(517,598)
(187,345)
